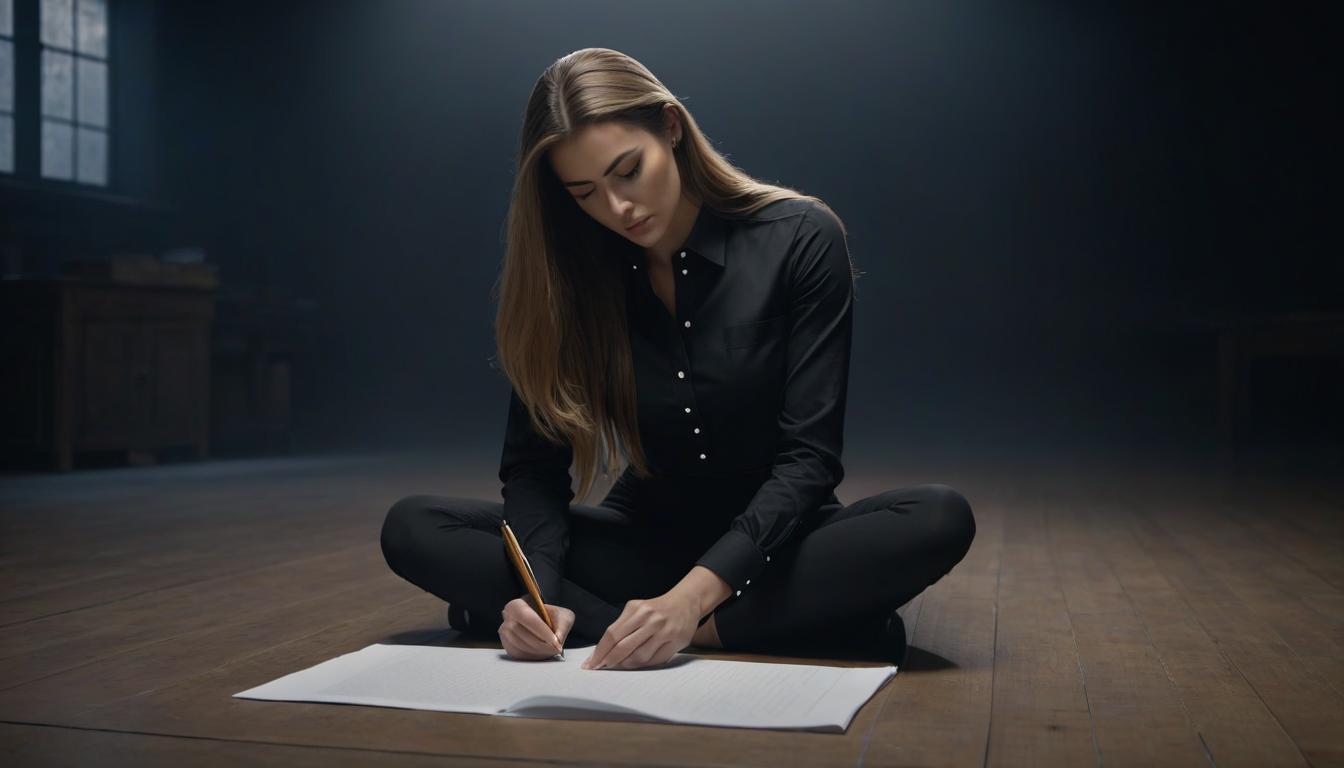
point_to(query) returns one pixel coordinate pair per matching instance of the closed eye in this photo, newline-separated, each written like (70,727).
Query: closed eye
(633,172)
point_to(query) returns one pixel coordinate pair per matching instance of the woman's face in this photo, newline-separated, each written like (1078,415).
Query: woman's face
(621,175)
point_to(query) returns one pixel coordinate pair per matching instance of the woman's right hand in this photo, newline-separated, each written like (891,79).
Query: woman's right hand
(524,634)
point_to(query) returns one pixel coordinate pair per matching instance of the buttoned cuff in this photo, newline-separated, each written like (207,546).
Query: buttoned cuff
(735,558)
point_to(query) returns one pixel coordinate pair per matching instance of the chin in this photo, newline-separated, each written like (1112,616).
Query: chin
(641,237)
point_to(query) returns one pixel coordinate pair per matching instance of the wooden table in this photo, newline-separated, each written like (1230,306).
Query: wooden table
(1243,340)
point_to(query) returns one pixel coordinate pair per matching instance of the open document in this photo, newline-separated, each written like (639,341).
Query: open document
(687,689)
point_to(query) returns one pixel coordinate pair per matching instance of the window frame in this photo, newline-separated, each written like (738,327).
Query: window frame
(74,123)
(28,117)
(11,110)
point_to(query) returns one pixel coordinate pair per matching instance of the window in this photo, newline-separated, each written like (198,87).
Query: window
(73,36)
(6,86)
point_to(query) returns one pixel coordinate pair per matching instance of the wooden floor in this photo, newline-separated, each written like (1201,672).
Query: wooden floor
(1144,614)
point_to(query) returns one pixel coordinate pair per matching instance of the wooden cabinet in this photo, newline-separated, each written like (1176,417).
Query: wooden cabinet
(92,365)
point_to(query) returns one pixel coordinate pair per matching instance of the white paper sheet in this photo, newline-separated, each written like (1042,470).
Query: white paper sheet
(687,689)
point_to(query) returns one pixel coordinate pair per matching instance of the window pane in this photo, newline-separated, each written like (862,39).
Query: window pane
(92,87)
(7,18)
(57,84)
(6,76)
(58,150)
(92,156)
(6,144)
(91,27)
(58,23)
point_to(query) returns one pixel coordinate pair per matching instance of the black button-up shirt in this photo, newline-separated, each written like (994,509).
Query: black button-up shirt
(747,380)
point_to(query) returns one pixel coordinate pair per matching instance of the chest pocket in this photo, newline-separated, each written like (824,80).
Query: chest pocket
(756,333)
(756,353)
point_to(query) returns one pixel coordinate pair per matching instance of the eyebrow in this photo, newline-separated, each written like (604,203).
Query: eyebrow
(607,172)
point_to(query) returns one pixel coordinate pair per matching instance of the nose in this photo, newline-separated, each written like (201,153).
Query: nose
(620,209)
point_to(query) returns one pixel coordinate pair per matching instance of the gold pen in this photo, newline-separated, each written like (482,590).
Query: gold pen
(529,579)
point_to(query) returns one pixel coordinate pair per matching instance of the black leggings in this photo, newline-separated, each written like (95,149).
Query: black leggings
(843,571)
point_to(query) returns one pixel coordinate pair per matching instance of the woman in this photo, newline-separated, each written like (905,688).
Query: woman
(662,312)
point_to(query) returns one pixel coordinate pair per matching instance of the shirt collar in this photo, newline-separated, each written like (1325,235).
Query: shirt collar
(708,238)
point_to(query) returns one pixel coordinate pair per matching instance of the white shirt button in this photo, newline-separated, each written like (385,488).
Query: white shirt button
(697,430)
(681,374)
(683,254)
(685,271)
(739,593)
(702,455)
(748,581)
(767,558)
(688,410)
(688,323)
(634,266)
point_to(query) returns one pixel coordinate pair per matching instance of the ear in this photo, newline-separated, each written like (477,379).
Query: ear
(672,122)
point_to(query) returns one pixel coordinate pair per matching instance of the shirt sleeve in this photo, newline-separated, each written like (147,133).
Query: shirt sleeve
(807,465)
(537,493)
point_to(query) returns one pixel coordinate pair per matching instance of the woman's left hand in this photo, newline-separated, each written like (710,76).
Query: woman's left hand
(647,633)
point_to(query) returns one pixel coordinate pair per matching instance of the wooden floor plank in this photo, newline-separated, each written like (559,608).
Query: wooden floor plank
(1231,720)
(35,745)
(167,528)
(1040,713)
(218,554)
(1264,582)
(1310,564)
(1139,715)
(1308,709)
(49,645)
(140,669)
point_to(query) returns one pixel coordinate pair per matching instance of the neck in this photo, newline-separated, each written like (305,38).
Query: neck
(678,231)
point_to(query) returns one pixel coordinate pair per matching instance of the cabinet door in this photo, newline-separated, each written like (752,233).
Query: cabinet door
(181,382)
(115,397)
(25,384)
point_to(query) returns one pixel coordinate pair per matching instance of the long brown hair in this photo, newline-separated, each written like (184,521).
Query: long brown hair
(560,327)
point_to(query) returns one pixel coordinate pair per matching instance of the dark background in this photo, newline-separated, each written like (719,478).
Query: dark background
(1051,202)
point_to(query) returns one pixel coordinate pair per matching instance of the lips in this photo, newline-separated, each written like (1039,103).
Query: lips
(639,223)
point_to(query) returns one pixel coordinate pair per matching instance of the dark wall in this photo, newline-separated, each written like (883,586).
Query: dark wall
(1049,201)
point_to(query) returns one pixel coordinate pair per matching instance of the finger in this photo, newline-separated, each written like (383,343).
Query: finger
(614,634)
(538,629)
(516,649)
(604,644)
(528,644)
(565,624)
(624,649)
(616,631)
(644,656)
(563,621)
(553,636)
(654,658)
(664,653)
